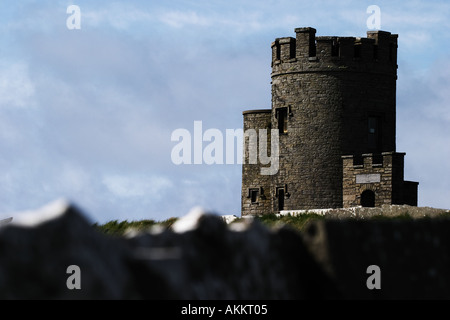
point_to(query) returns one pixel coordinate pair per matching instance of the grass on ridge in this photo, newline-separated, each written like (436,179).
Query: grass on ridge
(115,227)
(119,228)
(297,222)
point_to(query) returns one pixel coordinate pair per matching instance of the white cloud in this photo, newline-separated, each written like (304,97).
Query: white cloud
(130,186)
(414,39)
(439,83)
(119,16)
(178,19)
(16,88)
(237,22)
(74,178)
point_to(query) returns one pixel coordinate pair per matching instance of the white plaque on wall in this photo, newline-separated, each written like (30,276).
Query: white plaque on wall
(368,178)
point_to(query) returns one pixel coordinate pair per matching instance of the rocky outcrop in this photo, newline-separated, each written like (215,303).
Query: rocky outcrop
(201,257)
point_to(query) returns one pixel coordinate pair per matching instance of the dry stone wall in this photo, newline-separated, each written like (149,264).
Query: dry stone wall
(203,258)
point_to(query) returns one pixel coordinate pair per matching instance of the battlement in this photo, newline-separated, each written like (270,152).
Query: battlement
(306,51)
(374,160)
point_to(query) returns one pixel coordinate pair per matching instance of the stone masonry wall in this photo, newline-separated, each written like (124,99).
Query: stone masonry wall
(251,175)
(384,179)
(200,258)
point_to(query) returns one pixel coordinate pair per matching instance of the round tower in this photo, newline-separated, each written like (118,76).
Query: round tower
(331,96)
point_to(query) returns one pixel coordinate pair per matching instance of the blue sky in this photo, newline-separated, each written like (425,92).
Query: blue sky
(88,114)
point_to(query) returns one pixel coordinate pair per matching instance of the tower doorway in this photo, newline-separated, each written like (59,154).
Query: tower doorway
(368,199)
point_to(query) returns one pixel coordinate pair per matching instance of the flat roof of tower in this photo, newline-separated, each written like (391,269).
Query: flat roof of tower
(257,111)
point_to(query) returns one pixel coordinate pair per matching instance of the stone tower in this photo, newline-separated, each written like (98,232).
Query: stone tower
(333,99)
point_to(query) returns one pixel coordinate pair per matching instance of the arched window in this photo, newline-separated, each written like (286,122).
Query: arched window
(368,198)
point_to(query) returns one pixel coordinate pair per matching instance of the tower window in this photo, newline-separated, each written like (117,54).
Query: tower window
(253,193)
(280,194)
(312,45)
(374,137)
(282,117)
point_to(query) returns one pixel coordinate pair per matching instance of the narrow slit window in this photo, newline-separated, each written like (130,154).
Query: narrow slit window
(281,194)
(374,136)
(254,195)
(282,117)
(312,46)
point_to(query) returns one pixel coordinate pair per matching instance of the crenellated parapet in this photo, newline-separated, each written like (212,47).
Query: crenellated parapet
(369,161)
(308,53)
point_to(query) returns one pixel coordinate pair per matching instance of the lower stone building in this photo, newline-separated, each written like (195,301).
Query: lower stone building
(373,180)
